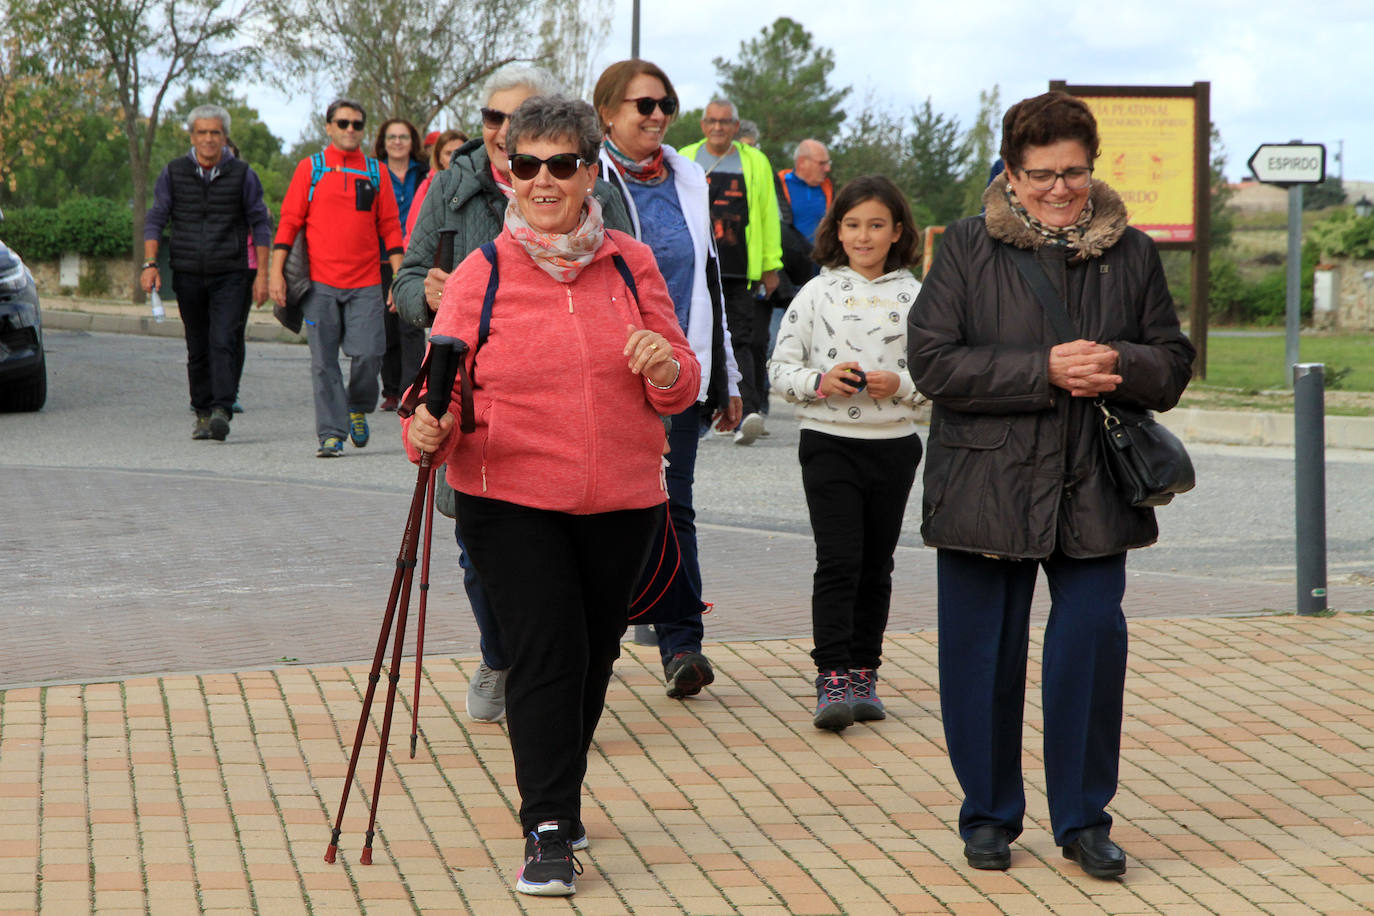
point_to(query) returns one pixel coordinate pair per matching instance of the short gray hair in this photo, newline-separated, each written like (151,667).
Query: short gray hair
(206,113)
(556,117)
(748,130)
(520,76)
(734,109)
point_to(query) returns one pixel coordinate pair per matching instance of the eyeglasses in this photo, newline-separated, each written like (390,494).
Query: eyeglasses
(345,124)
(645,105)
(396,138)
(493,118)
(561,166)
(1075,179)
(719,122)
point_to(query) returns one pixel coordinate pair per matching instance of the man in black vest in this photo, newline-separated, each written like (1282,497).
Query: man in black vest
(214,203)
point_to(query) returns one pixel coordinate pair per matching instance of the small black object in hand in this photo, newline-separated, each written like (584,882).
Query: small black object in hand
(859,383)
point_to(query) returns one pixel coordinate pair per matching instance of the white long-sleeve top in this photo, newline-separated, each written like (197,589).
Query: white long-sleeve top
(839,316)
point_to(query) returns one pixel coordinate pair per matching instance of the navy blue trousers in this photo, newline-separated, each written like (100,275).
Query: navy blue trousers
(685,633)
(984,618)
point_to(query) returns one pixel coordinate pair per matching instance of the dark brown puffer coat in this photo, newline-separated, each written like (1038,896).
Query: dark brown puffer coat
(1014,465)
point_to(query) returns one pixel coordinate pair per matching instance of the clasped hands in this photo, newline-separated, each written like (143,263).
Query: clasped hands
(879,385)
(1084,368)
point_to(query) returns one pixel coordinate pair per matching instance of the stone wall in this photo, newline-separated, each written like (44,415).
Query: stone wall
(1354,294)
(95,278)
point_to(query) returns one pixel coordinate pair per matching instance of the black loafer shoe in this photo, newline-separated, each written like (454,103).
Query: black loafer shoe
(1095,852)
(988,848)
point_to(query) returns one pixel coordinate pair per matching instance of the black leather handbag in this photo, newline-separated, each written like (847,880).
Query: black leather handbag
(1148,463)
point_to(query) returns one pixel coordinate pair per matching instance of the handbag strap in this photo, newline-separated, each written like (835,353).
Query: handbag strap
(1050,301)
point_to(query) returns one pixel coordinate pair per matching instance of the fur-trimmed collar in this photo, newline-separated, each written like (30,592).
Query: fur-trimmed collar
(1109,220)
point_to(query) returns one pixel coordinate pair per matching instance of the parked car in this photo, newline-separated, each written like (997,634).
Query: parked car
(23,368)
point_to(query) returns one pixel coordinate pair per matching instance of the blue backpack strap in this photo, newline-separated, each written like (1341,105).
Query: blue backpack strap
(625,275)
(484,325)
(316,173)
(374,172)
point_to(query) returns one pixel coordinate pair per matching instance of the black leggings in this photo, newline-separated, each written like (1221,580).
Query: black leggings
(560,588)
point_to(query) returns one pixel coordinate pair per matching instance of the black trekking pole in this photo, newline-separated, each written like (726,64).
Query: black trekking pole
(420,624)
(443,259)
(443,357)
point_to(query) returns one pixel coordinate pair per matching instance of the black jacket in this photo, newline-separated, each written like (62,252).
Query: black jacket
(1013,466)
(209,226)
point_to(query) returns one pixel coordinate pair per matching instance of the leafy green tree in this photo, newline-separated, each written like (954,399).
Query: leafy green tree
(939,160)
(780,80)
(144,48)
(982,140)
(257,145)
(413,60)
(1330,193)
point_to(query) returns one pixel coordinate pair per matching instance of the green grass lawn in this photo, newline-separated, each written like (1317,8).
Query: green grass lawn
(1257,363)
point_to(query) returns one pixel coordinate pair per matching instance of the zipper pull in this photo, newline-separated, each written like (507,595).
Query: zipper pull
(569,289)
(484,477)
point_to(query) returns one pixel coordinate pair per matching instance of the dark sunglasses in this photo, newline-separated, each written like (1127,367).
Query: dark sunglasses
(645,105)
(493,117)
(345,124)
(561,166)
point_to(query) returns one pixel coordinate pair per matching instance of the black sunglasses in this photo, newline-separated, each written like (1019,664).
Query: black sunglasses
(561,166)
(493,117)
(345,124)
(645,105)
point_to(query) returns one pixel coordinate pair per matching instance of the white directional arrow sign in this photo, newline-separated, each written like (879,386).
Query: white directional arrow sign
(1289,163)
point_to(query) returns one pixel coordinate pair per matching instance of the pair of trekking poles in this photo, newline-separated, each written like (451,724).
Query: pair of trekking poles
(441,366)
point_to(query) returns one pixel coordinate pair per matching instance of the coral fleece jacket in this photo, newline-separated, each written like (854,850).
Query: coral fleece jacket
(562,422)
(343,239)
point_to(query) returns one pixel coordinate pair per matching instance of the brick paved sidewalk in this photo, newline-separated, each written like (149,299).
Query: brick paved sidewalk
(1247,785)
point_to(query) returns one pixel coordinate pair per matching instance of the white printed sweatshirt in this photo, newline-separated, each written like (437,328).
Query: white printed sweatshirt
(841,317)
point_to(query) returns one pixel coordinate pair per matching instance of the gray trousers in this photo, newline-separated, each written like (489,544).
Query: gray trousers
(349,320)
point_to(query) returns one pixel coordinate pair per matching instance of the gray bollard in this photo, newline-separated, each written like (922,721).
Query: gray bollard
(1309,452)
(644,635)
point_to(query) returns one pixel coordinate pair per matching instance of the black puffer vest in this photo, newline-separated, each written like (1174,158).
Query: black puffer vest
(209,227)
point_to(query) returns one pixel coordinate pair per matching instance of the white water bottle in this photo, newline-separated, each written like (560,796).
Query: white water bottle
(156,299)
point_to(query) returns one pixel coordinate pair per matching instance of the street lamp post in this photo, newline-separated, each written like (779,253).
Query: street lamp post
(1363,207)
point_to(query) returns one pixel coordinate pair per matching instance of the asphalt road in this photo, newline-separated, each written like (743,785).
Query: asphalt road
(126,547)
(118,402)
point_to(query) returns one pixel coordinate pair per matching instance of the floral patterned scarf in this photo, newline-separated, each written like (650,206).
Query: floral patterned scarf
(1060,236)
(646,171)
(562,256)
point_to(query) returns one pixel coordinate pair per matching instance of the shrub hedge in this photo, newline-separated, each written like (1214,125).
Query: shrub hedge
(91,226)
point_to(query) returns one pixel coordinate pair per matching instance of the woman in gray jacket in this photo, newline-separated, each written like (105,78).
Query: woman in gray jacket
(1015,479)
(469,199)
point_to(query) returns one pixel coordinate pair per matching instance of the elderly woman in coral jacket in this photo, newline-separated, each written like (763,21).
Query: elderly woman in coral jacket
(560,483)
(1015,480)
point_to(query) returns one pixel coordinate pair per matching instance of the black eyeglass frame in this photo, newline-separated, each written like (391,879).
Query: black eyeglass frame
(493,117)
(346,123)
(644,104)
(519,162)
(1039,184)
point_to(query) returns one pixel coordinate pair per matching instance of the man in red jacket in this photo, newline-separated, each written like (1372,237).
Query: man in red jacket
(345,209)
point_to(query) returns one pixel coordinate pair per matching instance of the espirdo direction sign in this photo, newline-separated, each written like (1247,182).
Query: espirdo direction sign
(1289,163)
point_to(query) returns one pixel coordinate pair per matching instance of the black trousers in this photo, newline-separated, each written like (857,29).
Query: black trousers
(747,318)
(984,614)
(856,492)
(405,347)
(211,307)
(560,588)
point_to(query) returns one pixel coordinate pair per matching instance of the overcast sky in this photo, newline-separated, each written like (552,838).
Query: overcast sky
(1277,71)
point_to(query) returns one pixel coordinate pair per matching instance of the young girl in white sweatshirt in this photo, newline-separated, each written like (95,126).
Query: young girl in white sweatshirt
(841,357)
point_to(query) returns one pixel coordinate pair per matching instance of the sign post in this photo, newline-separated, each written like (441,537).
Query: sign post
(1291,165)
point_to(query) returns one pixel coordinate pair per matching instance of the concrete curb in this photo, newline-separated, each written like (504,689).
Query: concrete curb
(1192,424)
(1255,427)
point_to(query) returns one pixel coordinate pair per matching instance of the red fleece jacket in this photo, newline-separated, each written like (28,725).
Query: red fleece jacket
(343,239)
(562,423)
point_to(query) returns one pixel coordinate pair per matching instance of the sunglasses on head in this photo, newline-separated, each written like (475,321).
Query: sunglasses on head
(645,105)
(345,124)
(561,166)
(494,117)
